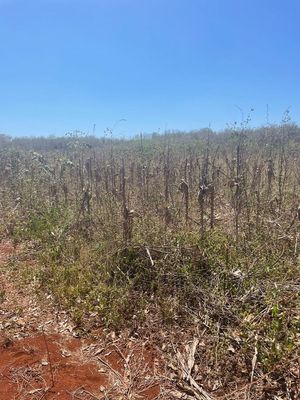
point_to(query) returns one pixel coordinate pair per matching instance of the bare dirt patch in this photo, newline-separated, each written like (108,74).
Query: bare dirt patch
(41,359)
(26,371)
(56,367)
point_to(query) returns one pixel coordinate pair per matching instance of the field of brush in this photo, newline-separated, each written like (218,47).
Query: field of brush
(190,234)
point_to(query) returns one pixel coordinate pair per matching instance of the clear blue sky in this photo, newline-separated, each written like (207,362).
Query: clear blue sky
(159,64)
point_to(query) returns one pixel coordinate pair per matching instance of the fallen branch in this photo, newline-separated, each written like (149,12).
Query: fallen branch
(185,380)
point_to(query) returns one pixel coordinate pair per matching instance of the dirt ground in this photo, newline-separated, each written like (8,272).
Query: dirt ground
(42,356)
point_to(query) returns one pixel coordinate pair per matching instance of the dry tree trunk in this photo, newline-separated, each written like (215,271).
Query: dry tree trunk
(166,188)
(212,198)
(127,219)
(184,189)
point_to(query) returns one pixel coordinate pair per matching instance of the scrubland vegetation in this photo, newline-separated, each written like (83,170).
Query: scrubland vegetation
(194,232)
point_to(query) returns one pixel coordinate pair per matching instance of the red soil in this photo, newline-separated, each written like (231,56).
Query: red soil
(54,365)
(25,368)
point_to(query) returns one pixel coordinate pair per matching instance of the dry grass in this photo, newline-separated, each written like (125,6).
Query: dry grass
(175,231)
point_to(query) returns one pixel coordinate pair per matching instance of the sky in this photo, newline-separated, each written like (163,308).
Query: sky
(146,65)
